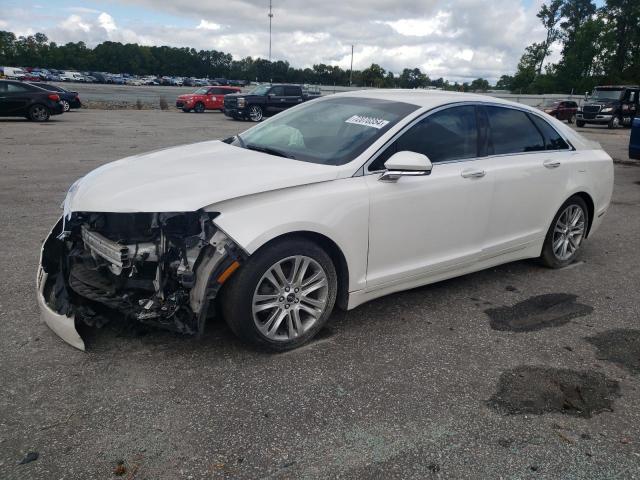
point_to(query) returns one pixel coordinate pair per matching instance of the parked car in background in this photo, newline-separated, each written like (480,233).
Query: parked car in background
(634,140)
(264,100)
(562,110)
(19,99)
(71,77)
(68,98)
(336,201)
(205,98)
(135,82)
(13,73)
(610,105)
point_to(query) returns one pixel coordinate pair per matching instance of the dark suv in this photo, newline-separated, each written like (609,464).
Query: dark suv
(18,99)
(610,105)
(264,100)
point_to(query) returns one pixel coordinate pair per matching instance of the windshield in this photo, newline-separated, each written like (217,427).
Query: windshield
(260,90)
(201,91)
(606,95)
(331,132)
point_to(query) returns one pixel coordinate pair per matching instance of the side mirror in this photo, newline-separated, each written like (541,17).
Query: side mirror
(406,164)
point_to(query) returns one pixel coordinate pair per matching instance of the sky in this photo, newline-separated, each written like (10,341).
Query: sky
(456,39)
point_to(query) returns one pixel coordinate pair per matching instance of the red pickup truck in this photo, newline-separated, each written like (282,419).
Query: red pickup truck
(205,98)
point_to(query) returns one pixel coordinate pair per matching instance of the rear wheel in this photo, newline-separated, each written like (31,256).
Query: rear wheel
(199,107)
(566,233)
(282,296)
(579,123)
(65,106)
(255,113)
(39,113)
(572,119)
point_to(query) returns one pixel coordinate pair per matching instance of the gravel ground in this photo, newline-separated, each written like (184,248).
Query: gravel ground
(513,372)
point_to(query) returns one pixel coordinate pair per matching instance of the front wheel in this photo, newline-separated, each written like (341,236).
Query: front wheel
(614,122)
(255,113)
(282,296)
(566,233)
(39,113)
(199,107)
(579,123)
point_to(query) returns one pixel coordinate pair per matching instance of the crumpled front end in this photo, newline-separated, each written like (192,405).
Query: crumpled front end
(160,269)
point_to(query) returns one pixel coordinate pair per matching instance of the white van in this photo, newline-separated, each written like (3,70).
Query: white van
(72,77)
(14,73)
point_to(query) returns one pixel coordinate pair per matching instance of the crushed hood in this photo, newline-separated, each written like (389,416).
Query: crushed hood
(187,178)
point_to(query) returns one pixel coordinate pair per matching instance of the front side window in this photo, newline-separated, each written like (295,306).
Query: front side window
(450,134)
(512,131)
(15,88)
(291,91)
(331,131)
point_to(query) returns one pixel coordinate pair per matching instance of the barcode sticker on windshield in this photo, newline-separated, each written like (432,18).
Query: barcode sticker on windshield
(367,121)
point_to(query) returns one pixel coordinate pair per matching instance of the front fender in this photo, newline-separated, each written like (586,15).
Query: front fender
(338,210)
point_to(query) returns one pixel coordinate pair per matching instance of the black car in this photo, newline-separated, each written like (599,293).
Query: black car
(264,100)
(68,98)
(19,99)
(612,105)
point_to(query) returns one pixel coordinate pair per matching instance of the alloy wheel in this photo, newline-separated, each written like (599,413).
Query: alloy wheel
(65,106)
(290,298)
(39,113)
(568,232)
(255,113)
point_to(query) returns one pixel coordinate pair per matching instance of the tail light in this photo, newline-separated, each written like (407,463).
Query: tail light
(54,97)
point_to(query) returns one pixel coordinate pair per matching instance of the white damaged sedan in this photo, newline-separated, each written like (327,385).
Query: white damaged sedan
(332,203)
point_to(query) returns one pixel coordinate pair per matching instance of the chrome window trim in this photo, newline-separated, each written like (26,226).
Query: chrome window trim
(364,170)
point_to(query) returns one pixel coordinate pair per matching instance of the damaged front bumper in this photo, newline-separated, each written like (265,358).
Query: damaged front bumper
(163,270)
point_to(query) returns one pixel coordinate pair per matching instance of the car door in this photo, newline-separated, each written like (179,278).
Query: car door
(15,99)
(293,96)
(427,225)
(530,164)
(276,99)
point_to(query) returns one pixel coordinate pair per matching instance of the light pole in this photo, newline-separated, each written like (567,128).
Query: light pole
(270,17)
(351,69)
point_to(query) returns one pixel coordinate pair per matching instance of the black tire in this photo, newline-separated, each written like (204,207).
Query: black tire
(39,113)
(548,257)
(579,123)
(237,294)
(614,123)
(198,107)
(571,119)
(186,110)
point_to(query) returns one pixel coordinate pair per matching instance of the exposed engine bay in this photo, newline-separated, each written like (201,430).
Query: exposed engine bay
(160,269)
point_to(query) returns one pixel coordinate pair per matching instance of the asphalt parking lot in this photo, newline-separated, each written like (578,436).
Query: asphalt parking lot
(452,380)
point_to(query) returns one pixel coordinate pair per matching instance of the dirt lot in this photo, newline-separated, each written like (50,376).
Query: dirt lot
(514,372)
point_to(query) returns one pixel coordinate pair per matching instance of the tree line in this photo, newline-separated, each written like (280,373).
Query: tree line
(596,46)
(115,57)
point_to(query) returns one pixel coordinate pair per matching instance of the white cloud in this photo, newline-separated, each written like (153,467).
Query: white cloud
(421,27)
(75,23)
(3,24)
(107,22)
(205,25)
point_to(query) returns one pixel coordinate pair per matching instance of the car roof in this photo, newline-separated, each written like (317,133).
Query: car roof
(425,98)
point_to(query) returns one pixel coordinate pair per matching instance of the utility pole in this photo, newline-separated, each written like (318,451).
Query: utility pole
(351,69)
(270,17)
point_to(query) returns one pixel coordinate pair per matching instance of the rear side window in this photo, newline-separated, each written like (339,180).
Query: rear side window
(511,131)
(292,91)
(278,91)
(15,88)
(553,140)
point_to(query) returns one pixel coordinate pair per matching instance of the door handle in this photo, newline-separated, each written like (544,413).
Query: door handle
(472,173)
(551,163)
